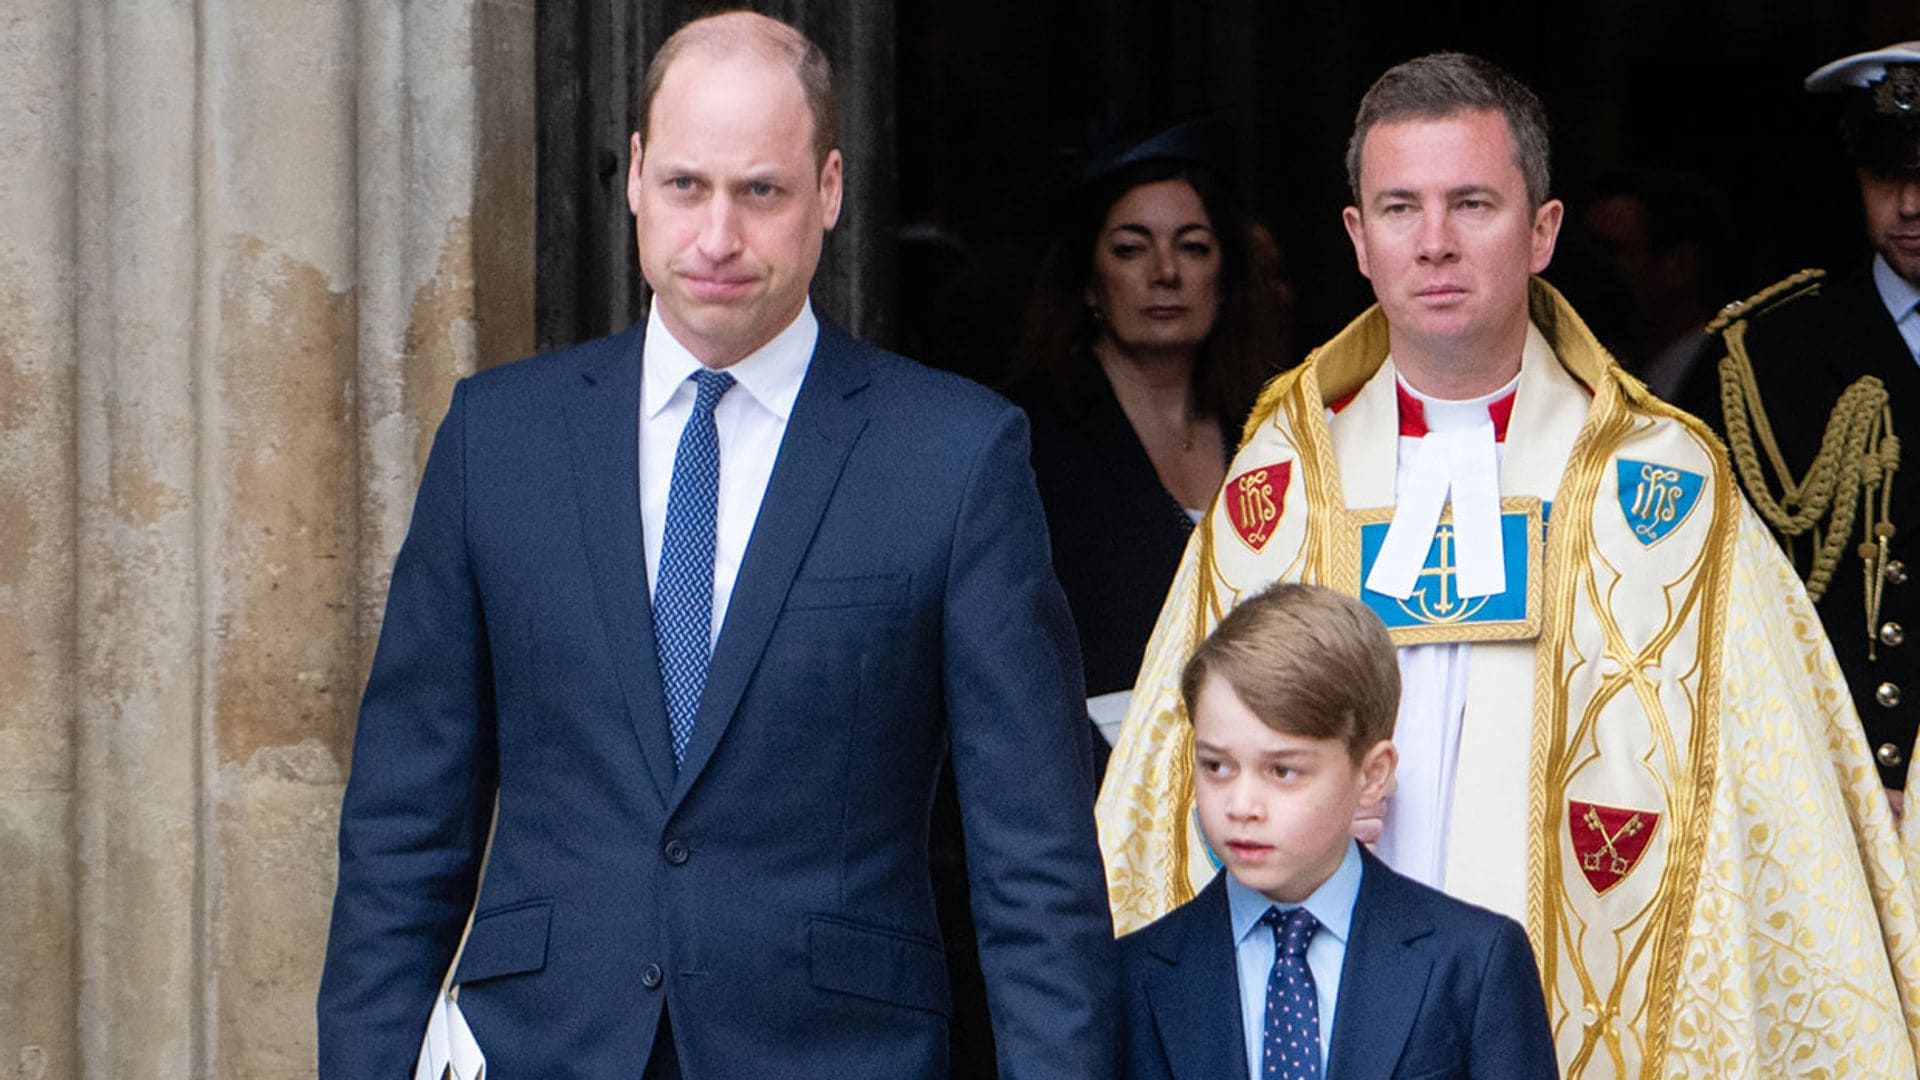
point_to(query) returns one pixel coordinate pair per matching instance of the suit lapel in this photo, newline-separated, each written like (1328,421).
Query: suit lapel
(1383,979)
(820,432)
(1196,996)
(604,424)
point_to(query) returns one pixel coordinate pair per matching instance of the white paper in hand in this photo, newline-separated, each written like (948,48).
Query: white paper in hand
(448,1050)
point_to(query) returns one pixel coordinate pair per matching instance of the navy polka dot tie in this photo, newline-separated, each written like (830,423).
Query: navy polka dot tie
(683,590)
(1291,1046)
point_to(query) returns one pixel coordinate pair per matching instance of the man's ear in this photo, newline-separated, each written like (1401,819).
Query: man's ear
(830,181)
(1351,218)
(1546,231)
(633,172)
(1376,771)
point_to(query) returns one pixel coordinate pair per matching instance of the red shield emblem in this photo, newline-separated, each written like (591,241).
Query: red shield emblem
(1608,841)
(1254,500)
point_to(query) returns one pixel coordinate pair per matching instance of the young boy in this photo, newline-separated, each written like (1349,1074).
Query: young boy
(1307,956)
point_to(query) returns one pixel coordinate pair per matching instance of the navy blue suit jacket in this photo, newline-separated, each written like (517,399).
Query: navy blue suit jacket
(1431,987)
(895,600)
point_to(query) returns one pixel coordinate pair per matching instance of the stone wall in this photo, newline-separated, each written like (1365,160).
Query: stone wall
(245,250)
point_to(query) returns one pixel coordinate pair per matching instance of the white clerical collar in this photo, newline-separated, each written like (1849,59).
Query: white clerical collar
(1442,414)
(1455,461)
(771,374)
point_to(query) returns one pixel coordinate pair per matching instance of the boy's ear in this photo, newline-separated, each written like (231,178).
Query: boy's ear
(1376,771)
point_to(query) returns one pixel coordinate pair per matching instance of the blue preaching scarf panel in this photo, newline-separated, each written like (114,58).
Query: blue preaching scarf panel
(1436,611)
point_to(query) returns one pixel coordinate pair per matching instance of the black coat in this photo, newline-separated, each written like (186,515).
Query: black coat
(1117,533)
(1804,354)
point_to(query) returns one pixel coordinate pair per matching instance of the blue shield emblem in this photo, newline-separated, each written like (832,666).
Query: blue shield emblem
(1656,499)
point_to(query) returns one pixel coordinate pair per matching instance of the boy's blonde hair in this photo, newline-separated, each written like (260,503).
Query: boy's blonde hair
(1307,661)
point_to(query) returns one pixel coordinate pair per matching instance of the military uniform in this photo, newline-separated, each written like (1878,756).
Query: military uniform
(1817,383)
(1806,344)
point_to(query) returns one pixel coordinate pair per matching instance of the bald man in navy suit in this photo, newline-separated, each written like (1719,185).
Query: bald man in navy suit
(710,856)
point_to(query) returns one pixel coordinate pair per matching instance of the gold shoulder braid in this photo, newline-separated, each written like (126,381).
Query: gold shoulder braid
(1858,456)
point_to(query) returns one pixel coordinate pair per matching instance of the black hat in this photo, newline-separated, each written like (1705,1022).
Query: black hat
(1202,140)
(1880,110)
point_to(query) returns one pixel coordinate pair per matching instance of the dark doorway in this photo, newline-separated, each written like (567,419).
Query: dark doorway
(990,92)
(957,112)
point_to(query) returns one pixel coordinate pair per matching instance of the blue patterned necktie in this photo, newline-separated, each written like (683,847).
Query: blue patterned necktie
(1291,1043)
(683,590)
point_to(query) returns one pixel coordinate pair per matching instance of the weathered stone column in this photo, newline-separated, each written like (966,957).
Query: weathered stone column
(245,249)
(39,980)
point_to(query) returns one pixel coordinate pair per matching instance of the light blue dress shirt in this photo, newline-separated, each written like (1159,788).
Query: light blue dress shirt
(1900,296)
(1332,905)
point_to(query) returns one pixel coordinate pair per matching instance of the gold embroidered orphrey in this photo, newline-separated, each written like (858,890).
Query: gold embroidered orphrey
(1767,926)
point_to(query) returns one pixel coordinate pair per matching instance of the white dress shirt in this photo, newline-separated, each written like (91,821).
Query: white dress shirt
(1332,904)
(1900,296)
(751,419)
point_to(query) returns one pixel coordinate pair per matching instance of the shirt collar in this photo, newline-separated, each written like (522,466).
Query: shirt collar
(1899,294)
(771,374)
(1331,903)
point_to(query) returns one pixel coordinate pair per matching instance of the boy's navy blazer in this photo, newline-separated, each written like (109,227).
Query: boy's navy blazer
(1431,987)
(895,601)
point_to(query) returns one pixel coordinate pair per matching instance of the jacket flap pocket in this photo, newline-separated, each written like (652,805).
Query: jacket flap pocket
(510,941)
(875,590)
(883,965)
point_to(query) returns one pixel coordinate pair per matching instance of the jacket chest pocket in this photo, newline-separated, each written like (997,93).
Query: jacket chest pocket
(841,593)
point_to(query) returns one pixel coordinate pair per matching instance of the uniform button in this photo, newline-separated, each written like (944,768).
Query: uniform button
(1887,694)
(1892,633)
(675,851)
(651,976)
(1889,755)
(1896,571)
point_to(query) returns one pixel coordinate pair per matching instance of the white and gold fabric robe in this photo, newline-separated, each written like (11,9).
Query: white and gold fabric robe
(1660,773)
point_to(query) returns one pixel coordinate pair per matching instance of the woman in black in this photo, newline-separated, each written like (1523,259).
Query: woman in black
(1155,318)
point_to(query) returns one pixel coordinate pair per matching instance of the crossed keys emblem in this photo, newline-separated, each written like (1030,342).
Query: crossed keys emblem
(1609,840)
(1609,844)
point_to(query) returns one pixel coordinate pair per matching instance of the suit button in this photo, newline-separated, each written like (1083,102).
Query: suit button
(675,851)
(1889,755)
(1896,571)
(651,976)
(1887,694)
(1892,633)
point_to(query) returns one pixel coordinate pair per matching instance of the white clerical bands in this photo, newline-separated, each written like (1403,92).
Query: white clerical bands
(1460,464)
